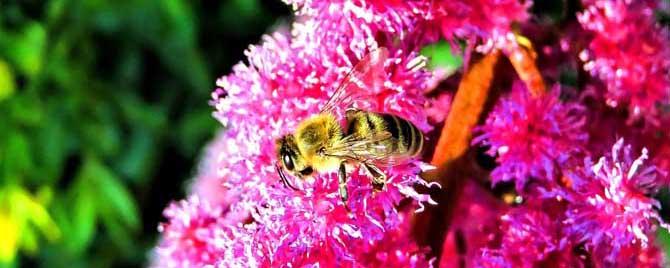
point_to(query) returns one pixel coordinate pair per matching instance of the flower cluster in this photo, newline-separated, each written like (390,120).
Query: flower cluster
(567,211)
(487,20)
(207,183)
(287,80)
(603,216)
(529,237)
(311,226)
(490,21)
(468,235)
(611,210)
(194,234)
(532,137)
(355,25)
(630,53)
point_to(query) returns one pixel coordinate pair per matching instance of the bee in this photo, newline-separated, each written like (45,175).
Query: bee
(320,144)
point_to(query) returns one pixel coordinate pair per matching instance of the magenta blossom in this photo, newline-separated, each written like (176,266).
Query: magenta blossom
(476,227)
(563,213)
(193,235)
(490,21)
(285,82)
(413,21)
(438,108)
(532,137)
(355,25)
(530,238)
(611,211)
(207,184)
(629,52)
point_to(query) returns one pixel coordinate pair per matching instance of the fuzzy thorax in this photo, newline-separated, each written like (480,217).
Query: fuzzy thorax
(315,133)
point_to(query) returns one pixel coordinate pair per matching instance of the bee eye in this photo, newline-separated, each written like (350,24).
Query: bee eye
(288,162)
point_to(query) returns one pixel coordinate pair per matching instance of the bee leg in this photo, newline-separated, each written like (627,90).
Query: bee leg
(342,179)
(378,177)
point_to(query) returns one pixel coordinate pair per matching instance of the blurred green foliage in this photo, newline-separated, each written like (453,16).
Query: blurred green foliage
(443,58)
(103,110)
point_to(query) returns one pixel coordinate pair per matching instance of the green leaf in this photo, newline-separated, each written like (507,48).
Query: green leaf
(119,202)
(664,239)
(177,45)
(441,57)
(26,109)
(140,113)
(83,218)
(39,216)
(10,232)
(101,133)
(17,156)
(26,216)
(84,202)
(29,241)
(119,235)
(62,212)
(52,142)
(139,157)
(25,48)
(55,9)
(6,80)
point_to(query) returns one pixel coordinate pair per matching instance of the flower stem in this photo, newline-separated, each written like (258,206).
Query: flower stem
(453,168)
(466,108)
(523,58)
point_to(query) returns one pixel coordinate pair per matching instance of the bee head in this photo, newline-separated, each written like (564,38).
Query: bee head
(291,158)
(287,155)
(287,152)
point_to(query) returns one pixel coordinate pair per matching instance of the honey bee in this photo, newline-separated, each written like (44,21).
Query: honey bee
(320,144)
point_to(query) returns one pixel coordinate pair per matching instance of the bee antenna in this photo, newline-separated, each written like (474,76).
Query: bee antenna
(283,177)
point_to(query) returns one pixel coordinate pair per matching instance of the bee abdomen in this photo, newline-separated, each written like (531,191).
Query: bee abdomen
(409,138)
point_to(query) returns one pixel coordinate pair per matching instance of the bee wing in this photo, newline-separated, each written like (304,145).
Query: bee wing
(374,149)
(367,75)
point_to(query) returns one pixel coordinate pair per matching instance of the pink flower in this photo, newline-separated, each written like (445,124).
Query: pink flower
(286,81)
(532,137)
(355,25)
(475,227)
(414,21)
(611,212)
(607,125)
(240,214)
(629,52)
(314,227)
(661,155)
(192,236)
(207,184)
(532,235)
(437,108)
(488,20)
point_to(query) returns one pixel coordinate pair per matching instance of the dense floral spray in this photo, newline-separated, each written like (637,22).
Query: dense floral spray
(584,159)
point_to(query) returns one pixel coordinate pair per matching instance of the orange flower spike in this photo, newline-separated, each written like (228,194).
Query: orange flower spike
(466,108)
(453,168)
(523,56)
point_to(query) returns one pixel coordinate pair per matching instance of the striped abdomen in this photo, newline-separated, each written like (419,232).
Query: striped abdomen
(407,139)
